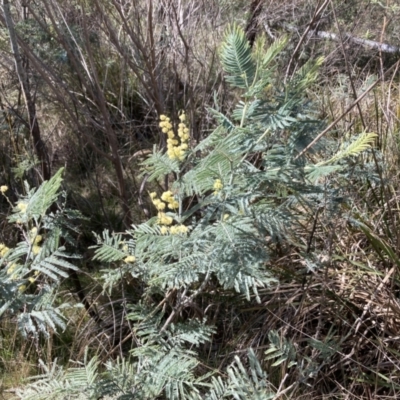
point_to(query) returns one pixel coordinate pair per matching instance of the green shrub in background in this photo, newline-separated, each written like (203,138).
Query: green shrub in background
(225,202)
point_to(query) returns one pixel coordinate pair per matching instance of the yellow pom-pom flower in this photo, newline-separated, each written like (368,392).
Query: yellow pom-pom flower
(3,188)
(3,249)
(173,205)
(160,206)
(177,229)
(164,230)
(35,238)
(22,207)
(36,249)
(164,219)
(11,269)
(167,196)
(175,148)
(218,185)
(130,259)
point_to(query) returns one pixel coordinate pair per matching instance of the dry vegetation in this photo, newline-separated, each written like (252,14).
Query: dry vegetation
(100,74)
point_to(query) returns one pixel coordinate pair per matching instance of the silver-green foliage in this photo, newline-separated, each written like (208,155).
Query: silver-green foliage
(228,228)
(228,231)
(32,270)
(123,381)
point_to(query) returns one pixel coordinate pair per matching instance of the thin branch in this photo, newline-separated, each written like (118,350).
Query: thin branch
(332,124)
(38,144)
(315,17)
(383,47)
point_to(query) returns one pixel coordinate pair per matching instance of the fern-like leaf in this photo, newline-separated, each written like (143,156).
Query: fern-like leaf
(37,202)
(237,60)
(363,142)
(160,165)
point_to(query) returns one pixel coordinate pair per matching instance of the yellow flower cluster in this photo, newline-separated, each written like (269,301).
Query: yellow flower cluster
(167,200)
(176,149)
(3,188)
(22,207)
(177,229)
(32,279)
(3,249)
(36,239)
(11,269)
(164,219)
(164,230)
(35,249)
(130,259)
(174,230)
(218,185)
